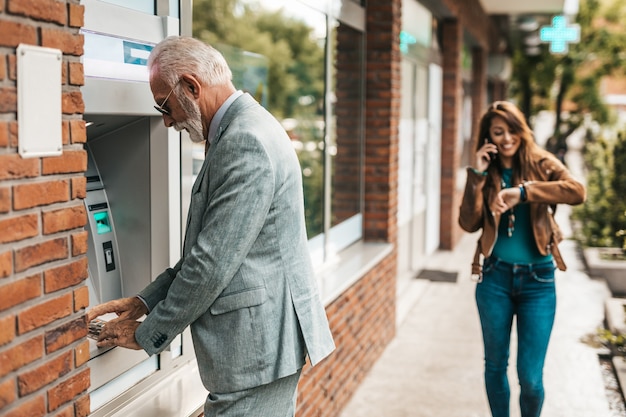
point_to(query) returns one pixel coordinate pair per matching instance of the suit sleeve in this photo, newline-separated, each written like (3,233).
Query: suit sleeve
(243,186)
(157,290)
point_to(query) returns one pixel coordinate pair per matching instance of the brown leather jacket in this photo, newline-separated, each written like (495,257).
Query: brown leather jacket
(554,185)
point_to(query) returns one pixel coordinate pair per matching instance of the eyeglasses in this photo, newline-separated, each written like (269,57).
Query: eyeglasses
(160,107)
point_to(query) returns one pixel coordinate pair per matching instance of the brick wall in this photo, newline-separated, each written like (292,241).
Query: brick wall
(346,175)
(43,346)
(382,118)
(479,90)
(450,156)
(363,319)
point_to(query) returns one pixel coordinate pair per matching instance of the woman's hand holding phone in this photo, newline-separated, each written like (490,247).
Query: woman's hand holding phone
(485,155)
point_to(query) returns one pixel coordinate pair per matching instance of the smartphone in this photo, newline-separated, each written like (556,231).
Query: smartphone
(492,155)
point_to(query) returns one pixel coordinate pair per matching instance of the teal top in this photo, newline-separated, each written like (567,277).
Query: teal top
(520,247)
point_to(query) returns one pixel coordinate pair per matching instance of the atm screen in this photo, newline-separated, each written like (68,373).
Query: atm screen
(102,222)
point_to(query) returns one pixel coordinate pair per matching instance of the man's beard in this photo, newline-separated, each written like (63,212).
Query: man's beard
(193,124)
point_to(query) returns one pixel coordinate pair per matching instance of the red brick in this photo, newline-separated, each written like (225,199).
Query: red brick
(64,75)
(65,276)
(19,291)
(77,73)
(3,68)
(68,411)
(68,162)
(78,131)
(82,406)
(13,33)
(81,298)
(17,356)
(69,43)
(77,15)
(19,228)
(13,127)
(72,103)
(4,127)
(13,166)
(33,380)
(79,243)
(33,408)
(6,264)
(40,253)
(66,334)
(7,392)
(68,389)
(81,353)
(79,187)
(46,10)
(8,98)
(65,132)
(44,313)
(40,194)
(63,219)
(7,329)
(5,200)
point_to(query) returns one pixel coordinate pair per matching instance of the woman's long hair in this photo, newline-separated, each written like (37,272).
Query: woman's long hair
(515,120)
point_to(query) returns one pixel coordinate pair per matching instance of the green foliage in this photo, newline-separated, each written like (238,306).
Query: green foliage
(287,61)
(616,342)
(602,217)
(295,58)
(618,185)
(547,81)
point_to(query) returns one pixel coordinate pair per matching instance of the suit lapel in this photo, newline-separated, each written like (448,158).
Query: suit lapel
(242,102)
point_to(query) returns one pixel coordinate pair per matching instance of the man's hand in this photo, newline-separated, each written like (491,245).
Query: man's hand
(130,308)
(119,333)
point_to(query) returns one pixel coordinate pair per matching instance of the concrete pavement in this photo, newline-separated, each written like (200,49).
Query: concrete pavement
(434,366)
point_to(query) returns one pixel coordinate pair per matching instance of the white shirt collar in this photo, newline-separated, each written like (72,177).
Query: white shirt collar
(217,119)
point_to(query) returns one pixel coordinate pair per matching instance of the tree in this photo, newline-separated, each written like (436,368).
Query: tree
(550,81)
(618,185)
(285,60)
(295,58)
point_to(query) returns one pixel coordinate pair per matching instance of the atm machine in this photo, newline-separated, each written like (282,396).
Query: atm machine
(137,179)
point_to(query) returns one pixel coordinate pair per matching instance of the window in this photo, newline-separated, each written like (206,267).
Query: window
(306,67)
(147,6)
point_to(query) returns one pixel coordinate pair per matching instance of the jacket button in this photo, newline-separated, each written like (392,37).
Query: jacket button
(160,340)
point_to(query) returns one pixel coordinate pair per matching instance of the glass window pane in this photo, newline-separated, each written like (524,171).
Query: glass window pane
(279,52)
(276,50)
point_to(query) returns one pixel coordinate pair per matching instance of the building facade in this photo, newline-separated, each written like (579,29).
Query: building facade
(381,104)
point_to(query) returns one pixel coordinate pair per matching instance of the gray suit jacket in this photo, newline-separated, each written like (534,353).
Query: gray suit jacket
(245,282)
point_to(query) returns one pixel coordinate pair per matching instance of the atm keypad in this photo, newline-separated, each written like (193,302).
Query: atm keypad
(95,327)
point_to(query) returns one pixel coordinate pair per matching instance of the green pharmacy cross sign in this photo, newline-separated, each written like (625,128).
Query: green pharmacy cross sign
(560,35)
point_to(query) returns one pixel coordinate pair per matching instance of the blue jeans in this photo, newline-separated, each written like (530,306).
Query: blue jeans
(528,292)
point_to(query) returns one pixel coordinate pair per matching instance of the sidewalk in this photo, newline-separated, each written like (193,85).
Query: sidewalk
(434,366)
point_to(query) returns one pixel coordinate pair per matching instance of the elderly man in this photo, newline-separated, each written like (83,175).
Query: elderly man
(245,282)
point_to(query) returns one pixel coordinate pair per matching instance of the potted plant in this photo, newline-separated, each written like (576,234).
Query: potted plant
(601,221)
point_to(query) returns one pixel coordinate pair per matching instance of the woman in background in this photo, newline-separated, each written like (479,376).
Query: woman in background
(511,194)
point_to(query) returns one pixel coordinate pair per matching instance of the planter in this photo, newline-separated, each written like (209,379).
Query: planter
(615,316)
(613,271)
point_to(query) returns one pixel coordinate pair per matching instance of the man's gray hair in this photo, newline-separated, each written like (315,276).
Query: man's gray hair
(177,55)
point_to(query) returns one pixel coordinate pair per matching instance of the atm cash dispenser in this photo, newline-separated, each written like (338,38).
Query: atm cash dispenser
(137,171)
